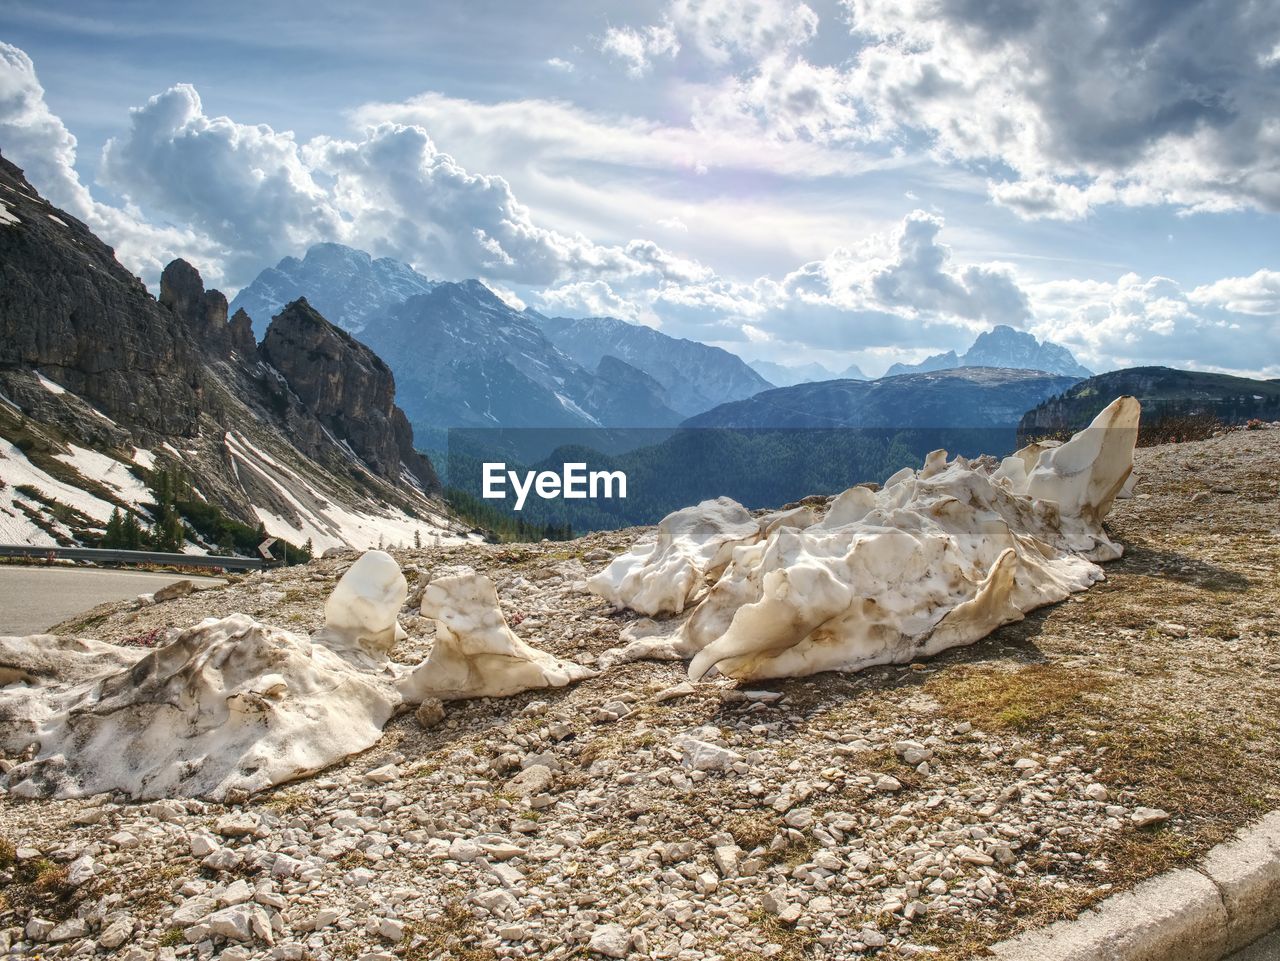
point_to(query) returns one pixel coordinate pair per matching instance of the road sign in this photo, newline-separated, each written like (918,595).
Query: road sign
(265,549)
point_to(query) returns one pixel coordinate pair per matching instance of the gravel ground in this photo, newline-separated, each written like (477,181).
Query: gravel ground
(926,809)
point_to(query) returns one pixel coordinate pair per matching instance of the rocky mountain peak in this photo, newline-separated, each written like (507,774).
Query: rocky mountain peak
(242,340)
(204,311)
(347,286)
(347,387)
(1002,346)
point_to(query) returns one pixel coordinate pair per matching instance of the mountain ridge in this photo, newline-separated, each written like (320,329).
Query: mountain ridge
(963,397)
(696,376)
(106,391)
(1002,346)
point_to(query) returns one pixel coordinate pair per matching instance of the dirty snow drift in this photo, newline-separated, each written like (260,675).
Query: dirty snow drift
(233,705)
(476,654)
(229,704)
(938,558)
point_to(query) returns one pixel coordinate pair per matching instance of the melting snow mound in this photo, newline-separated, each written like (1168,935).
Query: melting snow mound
(938,558)
(663,576)
(360,614)
(475,653)
(230,704)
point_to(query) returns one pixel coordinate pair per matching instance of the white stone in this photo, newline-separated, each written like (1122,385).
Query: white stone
(391,930)
(971,855)
(702,756)
(1142,816)
(80,871)
(116,933)
(611,940)
(201,844)
(234,923)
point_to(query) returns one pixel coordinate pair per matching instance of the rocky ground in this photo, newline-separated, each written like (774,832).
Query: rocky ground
(931,808)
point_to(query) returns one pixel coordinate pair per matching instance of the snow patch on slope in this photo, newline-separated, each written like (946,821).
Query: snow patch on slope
(317,517)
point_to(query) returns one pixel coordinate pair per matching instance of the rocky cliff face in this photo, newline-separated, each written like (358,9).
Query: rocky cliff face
(347,387)
(68,308)
(103,386)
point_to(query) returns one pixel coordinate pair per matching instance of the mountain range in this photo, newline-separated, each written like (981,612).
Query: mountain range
(463,357)
(786,375)
(114,402)
(696,376)
(1002,346)
(1166,394)
(347,286)
(964,397)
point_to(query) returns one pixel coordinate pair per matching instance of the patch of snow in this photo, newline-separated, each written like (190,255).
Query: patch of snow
(109,472)
(228,705)
(475,653)
(15,470)
(6,215)
(570,406)
(322,521)
(144,458)
(49,385)
(56,220)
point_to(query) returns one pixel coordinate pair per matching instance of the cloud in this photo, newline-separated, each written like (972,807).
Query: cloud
(1072,105)
(261,194)
(901,290)
(722,29)
(1257,295)
(587,298)
(247,194)
(558,63)
(639,47)
(1229,325)
(34,138)
(1134,102)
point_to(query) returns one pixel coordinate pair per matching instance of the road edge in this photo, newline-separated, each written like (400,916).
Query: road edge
(1201,913)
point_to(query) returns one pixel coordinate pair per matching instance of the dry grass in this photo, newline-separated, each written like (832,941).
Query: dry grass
(446,937)
(1018,698)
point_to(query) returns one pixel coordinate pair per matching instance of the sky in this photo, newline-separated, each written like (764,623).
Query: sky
(845,181)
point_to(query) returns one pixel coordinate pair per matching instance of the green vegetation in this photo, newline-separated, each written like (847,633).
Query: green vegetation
(504,527)
(180,515)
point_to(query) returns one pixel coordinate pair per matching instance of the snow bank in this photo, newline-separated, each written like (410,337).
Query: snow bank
(230,704)
(475,653)
(938,558)
(691,545)
(235,705)
(360,614)
(317,517)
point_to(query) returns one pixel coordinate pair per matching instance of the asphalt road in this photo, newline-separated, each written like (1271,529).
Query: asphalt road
(1266,948)
(34,599)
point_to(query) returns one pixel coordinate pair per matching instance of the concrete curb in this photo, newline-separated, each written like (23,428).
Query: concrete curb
(1195,914)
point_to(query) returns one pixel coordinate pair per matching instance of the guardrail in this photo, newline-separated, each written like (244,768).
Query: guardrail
(34,553)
